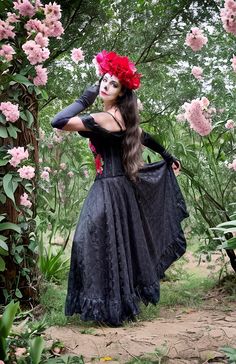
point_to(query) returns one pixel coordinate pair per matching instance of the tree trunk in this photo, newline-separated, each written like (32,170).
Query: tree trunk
(12,278)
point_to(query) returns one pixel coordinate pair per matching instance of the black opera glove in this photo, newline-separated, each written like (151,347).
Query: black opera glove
(86,100)
(150,142)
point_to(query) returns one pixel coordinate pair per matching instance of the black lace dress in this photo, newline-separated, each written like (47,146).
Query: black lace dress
(127,236)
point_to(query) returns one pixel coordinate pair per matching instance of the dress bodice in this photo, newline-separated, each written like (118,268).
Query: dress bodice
(106,147)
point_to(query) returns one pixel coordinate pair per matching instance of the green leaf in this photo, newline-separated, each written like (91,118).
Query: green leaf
(228,223)
(10,226)
(8,318)
(12,131)
(3,132)
(3,252)
(3,198)
(3,245)
(2,119)
(2,265)
(18,293)
(8,186)
(36,349)
(21,79)
(2,217)
(28,117)
(229,244)
(44,94)
(3,162)
(224,230)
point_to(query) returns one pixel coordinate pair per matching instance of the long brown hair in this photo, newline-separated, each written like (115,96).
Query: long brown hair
(132,147)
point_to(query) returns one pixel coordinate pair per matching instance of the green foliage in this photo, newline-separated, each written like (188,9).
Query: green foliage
(52,298)
(36,349)
(66,359)
(230,353)
(23,344)
(6,322)
(159,356)
(52,265)
(227,228)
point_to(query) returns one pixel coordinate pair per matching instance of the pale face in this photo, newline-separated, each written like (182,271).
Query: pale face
(110,88)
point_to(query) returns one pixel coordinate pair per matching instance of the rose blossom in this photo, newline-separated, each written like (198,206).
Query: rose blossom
(12,18)
(10,111)
(204,102)
(77,55)
(230,124)
(70,174)
(197,115)
(54,27)
(41,76)
(53,11)
(41,40)
(197,72)
(35,54)
(48,169)
(228,16)
(18,154)
(63,166)
(7,52)
(26,172)
(36,25)
(6,30)
(24,7)
(45,176)
(24,200)
(195,39)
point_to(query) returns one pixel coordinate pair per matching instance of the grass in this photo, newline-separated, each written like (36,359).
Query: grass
(187,292)
(180,288)
(52,298)
(159,356)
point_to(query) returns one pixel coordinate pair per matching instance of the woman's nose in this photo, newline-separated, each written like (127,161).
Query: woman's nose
(105,87)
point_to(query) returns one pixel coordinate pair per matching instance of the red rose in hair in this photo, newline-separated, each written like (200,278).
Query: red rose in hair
(121,67)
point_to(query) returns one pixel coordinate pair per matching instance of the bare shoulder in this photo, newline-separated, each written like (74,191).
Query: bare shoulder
(106,120)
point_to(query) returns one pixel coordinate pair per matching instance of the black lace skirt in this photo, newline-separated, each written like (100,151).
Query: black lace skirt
(127,236)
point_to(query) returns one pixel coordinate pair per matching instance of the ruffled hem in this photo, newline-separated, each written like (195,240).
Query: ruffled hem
(112,312)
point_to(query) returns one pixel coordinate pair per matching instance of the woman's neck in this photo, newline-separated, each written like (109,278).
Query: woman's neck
(108,105)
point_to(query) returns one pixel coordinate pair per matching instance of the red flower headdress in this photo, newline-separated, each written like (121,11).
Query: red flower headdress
(119,66)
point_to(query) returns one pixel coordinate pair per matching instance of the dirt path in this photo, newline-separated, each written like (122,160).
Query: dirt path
(181,335)
(190,337)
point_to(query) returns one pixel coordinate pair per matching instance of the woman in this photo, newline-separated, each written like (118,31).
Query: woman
(129,229)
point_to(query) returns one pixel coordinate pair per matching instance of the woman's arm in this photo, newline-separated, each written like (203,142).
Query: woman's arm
(61,119)
(148,141)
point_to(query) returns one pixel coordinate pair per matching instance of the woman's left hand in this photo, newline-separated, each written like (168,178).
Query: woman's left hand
(176,166)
